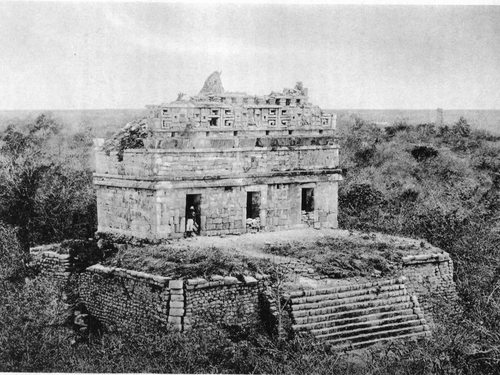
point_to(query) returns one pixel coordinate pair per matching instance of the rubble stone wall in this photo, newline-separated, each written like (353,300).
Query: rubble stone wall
(223,301)
(122,298)
(430,277)
(50,263)
(125,299)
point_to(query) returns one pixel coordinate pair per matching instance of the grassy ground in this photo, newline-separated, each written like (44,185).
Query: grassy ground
(333,253)
(187,262)
(343,254)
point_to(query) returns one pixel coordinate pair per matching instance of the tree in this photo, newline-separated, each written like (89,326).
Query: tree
(461,127)
(44,186)
(24,162)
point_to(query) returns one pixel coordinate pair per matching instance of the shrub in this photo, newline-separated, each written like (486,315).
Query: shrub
(398,126)
(422,153)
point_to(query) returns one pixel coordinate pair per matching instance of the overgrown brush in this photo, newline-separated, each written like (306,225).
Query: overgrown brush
(447,191)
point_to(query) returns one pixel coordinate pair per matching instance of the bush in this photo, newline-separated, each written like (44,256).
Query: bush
(398,126)
(422,153)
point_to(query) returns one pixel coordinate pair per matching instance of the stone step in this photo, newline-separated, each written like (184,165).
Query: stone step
(368,324)
(367,336)
(353,320)
(344,288)
(348,300)
(370,330)
(356,313)
(410,336)
(353,293)
(352,306)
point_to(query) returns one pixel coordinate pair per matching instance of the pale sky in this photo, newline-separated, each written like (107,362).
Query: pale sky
(126,55)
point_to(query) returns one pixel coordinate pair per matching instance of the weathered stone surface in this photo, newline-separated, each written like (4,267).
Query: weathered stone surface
(176,284)
(230,280)
(175,320)
(124,298)
(224,146)
(249,280)
(359,313)
(176,312)
(176,305)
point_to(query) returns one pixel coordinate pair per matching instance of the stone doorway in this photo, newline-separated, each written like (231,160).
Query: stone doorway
(253,211)
(253,204)
(194,200)
(307,200)
(307,206)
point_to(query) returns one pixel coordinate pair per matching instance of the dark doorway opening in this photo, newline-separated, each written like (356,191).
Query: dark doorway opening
(253,204)
(307,199)
(194,200)
(214,121)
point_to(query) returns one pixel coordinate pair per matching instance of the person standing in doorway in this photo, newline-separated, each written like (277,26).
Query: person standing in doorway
(190,221)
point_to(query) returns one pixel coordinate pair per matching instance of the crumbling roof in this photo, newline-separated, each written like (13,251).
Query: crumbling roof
(213,85)
(130,136)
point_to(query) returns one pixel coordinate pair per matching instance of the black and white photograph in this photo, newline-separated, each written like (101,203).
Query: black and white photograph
(250,188)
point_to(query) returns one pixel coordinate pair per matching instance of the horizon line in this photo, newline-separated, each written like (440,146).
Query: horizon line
(325,109)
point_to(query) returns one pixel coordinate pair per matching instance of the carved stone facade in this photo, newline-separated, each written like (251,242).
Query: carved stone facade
(244,163)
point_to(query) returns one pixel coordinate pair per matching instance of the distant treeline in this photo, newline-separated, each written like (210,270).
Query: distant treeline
(478,119)
(106,121)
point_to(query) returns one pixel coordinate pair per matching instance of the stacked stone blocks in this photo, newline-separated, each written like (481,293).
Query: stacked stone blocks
(223,210)
(430,276)
(346,316)
(189,164)
(223,301)
(125,299)
(50,263)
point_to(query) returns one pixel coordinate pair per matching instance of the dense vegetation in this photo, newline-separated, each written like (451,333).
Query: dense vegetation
(437,183)
(441,184)
(46,188)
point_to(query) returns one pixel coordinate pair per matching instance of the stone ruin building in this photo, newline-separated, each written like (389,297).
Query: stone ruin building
(244,162)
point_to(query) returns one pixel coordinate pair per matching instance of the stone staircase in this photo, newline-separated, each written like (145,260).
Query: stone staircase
(357,315)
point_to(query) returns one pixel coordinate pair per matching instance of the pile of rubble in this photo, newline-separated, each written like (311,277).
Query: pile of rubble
(131,135)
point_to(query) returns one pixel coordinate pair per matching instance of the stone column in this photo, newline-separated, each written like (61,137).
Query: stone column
(176,307)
